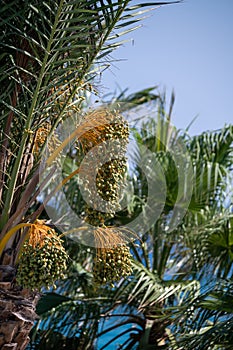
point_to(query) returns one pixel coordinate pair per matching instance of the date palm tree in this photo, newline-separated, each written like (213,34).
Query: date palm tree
(50,53)
(179,295)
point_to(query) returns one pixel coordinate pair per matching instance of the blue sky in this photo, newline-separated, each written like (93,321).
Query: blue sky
(187,47)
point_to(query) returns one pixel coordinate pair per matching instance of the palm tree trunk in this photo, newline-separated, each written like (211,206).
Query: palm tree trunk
(154,335)
(17,312)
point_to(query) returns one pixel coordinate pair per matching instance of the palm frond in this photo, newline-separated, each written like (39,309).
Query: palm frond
(211,244)
(74,320)
(212,156)
(48,50)
(208,319)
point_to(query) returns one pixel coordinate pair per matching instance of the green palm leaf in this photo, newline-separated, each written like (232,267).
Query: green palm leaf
(49,49)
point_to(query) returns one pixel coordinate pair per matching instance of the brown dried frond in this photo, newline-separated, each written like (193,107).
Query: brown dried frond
(25,58)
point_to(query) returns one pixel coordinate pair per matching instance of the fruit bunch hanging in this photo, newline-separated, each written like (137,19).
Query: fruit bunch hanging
(108,131)
(113,258)
(43,258)
(111,264)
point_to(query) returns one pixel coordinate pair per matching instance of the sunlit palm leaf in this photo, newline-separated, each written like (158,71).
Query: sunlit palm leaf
(48,52)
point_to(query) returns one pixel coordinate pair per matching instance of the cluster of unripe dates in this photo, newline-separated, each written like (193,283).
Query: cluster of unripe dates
(43,259)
